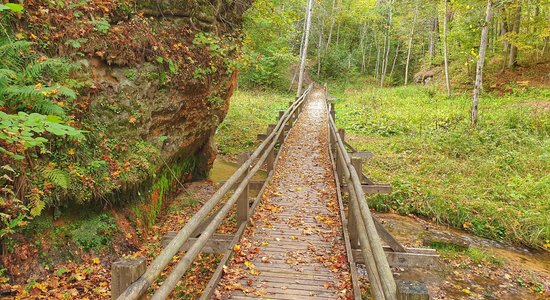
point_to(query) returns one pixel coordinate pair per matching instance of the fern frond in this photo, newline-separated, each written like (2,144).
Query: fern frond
(12,54)
(67,92)
(57,177)
(36,204)
(6,76)
(47,107)
(36,70)
(26,94)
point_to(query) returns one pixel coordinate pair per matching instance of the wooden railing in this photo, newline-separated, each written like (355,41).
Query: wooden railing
(362,229)
(131,279)
(380,276)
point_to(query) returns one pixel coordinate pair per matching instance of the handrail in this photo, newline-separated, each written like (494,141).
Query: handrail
(140,286)
(379,272)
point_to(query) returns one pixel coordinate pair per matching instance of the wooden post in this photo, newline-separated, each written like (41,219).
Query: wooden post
(333,112)
(270,128)
(124,272)
(342,134)
(339,166)
(281,113)
(270,162)
(412,290)
(357,163)
(243,207)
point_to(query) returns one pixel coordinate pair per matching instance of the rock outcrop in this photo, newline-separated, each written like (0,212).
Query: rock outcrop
(160,76)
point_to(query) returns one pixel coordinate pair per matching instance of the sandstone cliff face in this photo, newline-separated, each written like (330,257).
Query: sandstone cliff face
(160,76)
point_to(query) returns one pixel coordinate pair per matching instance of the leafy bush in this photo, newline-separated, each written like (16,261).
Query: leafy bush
(32,97)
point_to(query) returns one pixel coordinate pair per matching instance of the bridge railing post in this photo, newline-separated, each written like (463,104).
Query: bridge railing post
(357,163)
(243,206)
(124,272)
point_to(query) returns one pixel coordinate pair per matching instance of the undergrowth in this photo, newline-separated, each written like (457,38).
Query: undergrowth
(491,180)
(249,114)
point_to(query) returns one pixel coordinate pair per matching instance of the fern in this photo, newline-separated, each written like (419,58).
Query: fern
(56,176)
(35,70)
(48,108)
(36,204)
(6,76)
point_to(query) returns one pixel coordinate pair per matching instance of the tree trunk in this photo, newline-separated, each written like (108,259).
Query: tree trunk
(320,46)
(309,9)
(395,59)
(445,48)
(338,36)
(377,68)
(388,45)
(513,58)
(410,44)
(332,20)
(481,62)
(434,38)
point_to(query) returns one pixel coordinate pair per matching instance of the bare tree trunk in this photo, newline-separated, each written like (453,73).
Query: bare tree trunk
(333,18)
(395,59)
(369,51)
(309,10)
(338,36)
(513,58)
(410,44)
(320,46)
(363,49)
(481,62)
(377,68)
(296,71)
(388,45)
(445,48)
(434,38)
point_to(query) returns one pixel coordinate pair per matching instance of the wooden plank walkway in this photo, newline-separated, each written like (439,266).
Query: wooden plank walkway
(293,247)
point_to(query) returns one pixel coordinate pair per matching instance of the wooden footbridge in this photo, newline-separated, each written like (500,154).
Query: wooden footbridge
(304,233)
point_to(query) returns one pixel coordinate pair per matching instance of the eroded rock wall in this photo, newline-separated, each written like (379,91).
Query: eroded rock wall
(159,77)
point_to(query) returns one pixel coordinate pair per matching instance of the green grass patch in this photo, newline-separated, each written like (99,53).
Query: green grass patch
(493,181)
(249,114)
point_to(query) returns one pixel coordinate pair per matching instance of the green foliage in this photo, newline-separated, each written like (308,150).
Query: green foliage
(492,181)
(33,92)
(270,43)
(94,233)
(101,25)
(249,114)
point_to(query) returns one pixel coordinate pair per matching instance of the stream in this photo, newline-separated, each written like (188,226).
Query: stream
(520,273)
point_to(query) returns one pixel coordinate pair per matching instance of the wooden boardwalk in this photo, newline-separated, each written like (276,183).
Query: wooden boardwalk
(294,247)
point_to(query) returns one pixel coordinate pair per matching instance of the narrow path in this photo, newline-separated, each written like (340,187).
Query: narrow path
(293,248)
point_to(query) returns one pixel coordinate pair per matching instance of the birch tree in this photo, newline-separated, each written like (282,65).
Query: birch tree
(410,43)
(445,48)
(481,62)
(309,10)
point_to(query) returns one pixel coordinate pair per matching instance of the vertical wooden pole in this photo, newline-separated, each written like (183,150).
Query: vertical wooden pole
(342,134)
(357,163)
(333,112)
(243,208)
(124,272)
(270,162)
(352,225)
(281,113)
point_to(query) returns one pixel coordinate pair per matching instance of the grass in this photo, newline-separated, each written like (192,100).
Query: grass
(249,114)
(493,180)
